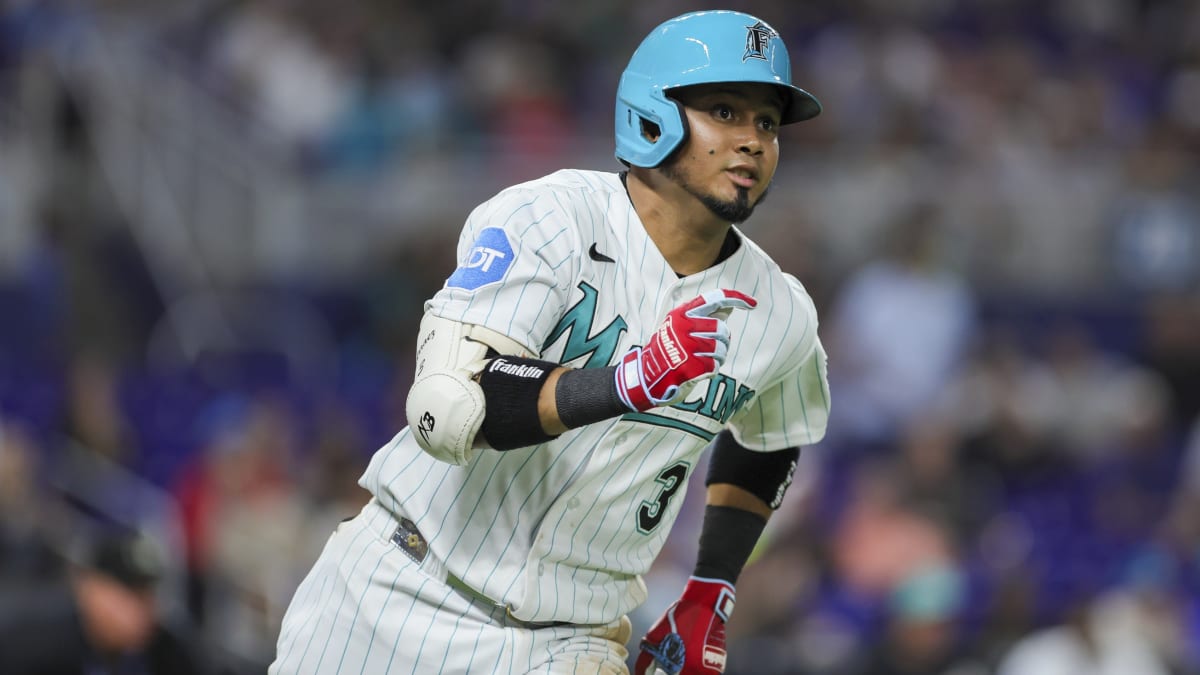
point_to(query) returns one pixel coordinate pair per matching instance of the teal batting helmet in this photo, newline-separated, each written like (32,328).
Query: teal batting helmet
(698,48)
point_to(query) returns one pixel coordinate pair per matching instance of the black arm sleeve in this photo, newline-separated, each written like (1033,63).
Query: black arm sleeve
(727,538)
(588,395)
(511,387)
(766,475)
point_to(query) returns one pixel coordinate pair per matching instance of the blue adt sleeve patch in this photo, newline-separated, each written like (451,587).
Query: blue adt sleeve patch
(487,262)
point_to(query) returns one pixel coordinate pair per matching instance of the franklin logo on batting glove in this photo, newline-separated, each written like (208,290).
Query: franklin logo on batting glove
(666,335)
(692,342)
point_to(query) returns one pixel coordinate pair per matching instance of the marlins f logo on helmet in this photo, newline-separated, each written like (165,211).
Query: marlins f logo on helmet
(758,37)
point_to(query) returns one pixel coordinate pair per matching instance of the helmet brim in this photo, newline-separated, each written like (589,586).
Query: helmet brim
(801,105)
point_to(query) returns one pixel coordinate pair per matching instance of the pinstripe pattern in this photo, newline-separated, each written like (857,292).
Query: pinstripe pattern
(420,624)
(552,532)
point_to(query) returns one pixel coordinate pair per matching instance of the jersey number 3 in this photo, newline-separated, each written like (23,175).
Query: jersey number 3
(650,513)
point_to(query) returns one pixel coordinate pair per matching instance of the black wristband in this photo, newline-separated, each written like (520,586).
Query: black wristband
(587,395)
(511,387)
(727,539)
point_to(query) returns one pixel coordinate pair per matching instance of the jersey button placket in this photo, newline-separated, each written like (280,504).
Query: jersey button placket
(572,504)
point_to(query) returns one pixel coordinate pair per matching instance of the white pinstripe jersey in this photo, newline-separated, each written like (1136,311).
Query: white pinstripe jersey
(562,531)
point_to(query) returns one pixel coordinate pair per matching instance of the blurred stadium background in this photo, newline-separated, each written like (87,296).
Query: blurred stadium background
(219,219)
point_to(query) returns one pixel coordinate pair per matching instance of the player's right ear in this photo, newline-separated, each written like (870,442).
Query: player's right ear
(650,130)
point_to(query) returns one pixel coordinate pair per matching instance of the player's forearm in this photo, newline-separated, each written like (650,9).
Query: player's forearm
(528,401)
(734,519)
(739,484)
(575,397)
(727,494)
(548,405)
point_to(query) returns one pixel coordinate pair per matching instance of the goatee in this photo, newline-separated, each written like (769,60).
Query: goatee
(737,210)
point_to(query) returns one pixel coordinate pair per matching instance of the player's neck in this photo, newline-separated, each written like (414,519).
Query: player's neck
(688,235)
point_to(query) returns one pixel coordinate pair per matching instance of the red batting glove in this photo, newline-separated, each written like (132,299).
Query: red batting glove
(690,638)
(692,342)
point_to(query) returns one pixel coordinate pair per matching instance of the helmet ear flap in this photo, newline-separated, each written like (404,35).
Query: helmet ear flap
(647,134)
(685,130)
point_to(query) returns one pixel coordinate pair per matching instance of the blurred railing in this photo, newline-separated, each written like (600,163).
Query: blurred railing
(217,200)
(219,207)
(26,140)
(210,206)
(216,210)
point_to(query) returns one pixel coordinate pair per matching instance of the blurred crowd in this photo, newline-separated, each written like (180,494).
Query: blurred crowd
(998,216)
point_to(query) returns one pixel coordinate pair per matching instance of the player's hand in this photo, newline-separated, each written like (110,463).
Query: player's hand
(115,618)
(691,342)
(689,639)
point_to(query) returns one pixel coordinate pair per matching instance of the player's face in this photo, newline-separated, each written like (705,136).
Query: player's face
(732,148)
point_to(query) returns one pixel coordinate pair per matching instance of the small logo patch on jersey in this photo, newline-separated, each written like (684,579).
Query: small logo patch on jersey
(758,39)
(410,540)
(598,256)
(487,262)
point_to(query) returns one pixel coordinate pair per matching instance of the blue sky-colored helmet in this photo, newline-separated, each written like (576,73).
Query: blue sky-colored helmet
(698,48)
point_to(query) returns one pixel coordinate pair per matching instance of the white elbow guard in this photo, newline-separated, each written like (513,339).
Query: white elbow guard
(445,406)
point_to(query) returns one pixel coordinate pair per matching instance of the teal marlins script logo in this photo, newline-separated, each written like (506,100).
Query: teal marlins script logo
(723,397)
(758,38)
(577,324)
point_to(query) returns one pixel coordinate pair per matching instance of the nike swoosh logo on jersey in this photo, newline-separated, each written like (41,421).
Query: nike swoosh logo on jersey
(597,255)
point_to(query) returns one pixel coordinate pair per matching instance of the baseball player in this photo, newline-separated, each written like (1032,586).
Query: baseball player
(600,332)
